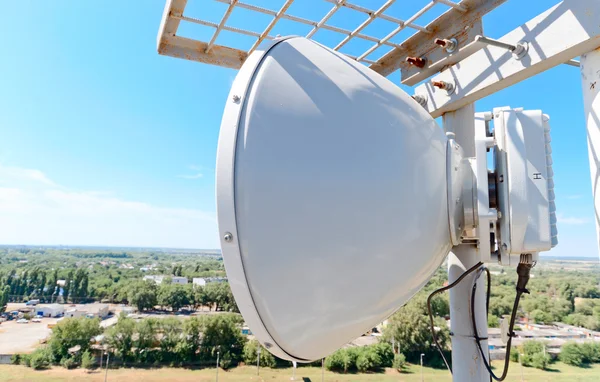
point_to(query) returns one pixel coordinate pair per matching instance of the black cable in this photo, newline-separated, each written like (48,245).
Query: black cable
(437,291)
(523,270)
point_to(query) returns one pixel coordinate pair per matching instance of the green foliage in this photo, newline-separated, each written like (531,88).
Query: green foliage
(590,352)
(40,359)
(540,361)
(368,359)
(576,354)
(68,363)
(571,354)
(514,354)
(493,321)
(540,317)
(120,337)
(250,355)
(399,362)
(409,326)
(15,359)
(362,359)
(72,332)
(175,296)
(534,354)
(4,294)
(222,331)
(87,360)
(143,294)
(385,352)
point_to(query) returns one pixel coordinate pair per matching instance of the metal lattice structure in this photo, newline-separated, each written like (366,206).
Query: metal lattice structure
(460,21)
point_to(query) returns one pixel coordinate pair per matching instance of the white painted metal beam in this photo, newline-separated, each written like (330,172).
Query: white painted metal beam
(463,24)
(567,30)
(590,81)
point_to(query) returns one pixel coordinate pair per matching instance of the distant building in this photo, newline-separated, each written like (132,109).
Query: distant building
(200,281)
(158,279)
(88,310)
(96,310)
(49,310)
(179,280)
(74,313)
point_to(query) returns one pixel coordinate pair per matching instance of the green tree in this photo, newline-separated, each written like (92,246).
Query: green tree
(540,360)
(222,333)
(120,338)
(170,347)
(87,360)
(174,296)
(250,354)
(4,295)
(493,321)
(142,294)
(539,316)
(571,354)
(72,332)
(145,339)
(409,326)
(399,362)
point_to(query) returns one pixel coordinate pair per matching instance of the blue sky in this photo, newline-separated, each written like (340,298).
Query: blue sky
(104,142)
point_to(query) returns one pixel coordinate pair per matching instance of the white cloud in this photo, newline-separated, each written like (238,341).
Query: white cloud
(571,220)
(573,197)
(35,210)
(193,176)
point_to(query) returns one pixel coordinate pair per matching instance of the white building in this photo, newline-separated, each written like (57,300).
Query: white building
(200,281)
(174,279)
(88,310)
(49,310)
(75,313)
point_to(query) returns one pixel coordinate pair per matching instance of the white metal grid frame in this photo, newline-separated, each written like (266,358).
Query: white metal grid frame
(461,20)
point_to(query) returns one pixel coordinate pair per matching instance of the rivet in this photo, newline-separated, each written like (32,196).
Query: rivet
(228,237)
(236,98)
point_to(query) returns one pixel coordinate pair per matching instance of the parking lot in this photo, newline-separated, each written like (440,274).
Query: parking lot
(23,338)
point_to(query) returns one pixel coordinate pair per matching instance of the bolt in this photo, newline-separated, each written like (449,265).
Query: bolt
(236,98)
(504,246)
(268,345)
(228,237)
(421,99)
(416,61)
(450,45)
(447,86)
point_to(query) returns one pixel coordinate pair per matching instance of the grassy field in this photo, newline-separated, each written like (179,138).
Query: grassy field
(558,373)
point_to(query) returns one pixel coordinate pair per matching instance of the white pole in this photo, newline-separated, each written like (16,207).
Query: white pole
(294,370)
(590,80)
(467,365)
(422,367)
(217,366)
(106,373)
(258,361)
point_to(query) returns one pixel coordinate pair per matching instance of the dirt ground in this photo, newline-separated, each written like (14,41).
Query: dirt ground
(23,338)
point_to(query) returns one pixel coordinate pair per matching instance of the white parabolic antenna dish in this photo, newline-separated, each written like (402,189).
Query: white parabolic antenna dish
(331,195)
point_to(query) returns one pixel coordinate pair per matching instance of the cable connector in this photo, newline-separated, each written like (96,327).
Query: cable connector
(523,270)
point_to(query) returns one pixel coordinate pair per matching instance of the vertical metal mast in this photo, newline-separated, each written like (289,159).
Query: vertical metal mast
(467,364)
